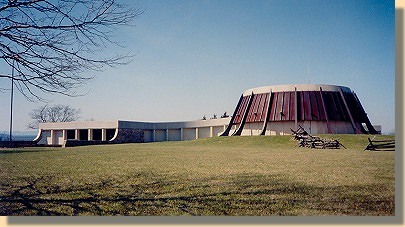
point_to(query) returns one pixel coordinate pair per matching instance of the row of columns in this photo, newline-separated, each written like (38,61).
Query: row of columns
(56,138)
(211,132)
(59,136)
(90,134)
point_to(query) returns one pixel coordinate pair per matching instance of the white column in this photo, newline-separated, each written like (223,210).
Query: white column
(196,133)
(52,137)
(77,134)
(167,134)
(154,135)
(90,134)
(181,134)
(64,134)
(103,134)
(211,131)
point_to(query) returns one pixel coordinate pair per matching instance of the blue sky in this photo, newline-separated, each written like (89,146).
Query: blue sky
(195,58)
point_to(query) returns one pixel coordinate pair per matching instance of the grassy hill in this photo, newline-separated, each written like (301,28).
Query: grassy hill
(215,176)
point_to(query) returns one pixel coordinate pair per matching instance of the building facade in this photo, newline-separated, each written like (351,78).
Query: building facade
(57,134)
(320,109)
(270,110)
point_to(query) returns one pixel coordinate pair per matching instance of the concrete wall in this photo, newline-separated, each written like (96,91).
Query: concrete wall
(79,125)
(58,137)
(148,136)
(160,135)
(174,125)
(252,129)
(217,130)
(203,132)
(51,137)
(312,127)
(342,127)
(174,134)
(45,138)
(56,133)
(189,134)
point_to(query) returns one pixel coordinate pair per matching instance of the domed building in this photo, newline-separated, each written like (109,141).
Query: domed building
(319,109)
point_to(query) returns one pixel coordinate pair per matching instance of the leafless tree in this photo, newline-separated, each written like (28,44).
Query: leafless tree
(55,113)
(51,44)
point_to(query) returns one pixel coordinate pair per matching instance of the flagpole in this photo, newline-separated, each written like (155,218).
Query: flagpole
(11,105)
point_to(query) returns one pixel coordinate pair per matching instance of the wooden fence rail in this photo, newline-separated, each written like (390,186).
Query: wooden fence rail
(307,140)
(380,145)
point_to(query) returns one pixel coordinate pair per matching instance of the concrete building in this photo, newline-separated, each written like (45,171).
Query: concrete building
(270,110)
(57,134)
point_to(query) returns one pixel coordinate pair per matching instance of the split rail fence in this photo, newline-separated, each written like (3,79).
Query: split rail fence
(380,145)
(307,140)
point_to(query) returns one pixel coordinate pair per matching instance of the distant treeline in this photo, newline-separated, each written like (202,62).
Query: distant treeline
(5,137)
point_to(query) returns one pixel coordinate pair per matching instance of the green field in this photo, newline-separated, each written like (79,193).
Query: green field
(216,176)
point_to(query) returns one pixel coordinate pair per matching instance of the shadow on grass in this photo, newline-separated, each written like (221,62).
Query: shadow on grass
(23,150)
(242,195)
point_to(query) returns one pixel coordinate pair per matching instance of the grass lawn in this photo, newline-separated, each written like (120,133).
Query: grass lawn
(215,176)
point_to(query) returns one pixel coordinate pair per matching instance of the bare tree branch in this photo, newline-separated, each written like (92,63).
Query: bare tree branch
(53,43)
(55,113)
